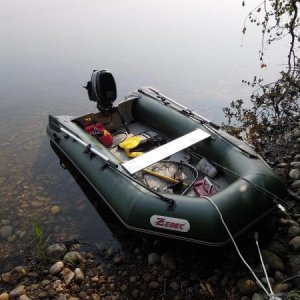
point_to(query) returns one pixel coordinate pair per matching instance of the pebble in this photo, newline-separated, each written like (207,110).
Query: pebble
(68,275)
(118,259)
(168,262)
(24,297)
(281,288)
(56,268)
(135,293)
(55,210)
(79,276)
(17,292)
(246,286)
(281,165)
(6,231)
(110,252)
(296,132)
(296,184)
(4,296)
(153,258)
(295,173)
(273,260)
(257,296)
(279,276)
(174,285)
(153,285)
(295,243)
(277,247)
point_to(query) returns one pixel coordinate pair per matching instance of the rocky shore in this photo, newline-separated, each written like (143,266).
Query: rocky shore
(166,270)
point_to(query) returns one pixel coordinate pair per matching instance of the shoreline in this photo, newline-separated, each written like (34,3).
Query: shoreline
(150,271)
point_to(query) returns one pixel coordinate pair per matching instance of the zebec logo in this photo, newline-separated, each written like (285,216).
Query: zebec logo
(170,223)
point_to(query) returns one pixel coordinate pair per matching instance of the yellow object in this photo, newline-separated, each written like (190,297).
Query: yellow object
(164,177)
(131,143)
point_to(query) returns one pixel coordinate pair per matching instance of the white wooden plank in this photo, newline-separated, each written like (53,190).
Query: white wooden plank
(157,154)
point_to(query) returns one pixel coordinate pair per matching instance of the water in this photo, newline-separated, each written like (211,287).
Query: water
(190,51)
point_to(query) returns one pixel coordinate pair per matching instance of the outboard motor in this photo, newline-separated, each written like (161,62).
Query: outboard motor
(102,89)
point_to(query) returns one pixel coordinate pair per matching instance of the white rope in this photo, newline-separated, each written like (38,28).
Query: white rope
(271,296)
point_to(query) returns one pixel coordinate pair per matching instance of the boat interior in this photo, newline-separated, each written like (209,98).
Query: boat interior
(162,157)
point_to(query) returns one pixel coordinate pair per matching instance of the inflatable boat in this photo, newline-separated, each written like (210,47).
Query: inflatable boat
(165,170)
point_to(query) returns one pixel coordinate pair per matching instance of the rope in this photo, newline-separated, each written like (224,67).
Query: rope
(270,294)
(236,247)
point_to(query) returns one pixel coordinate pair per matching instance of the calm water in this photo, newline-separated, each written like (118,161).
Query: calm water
(190,50)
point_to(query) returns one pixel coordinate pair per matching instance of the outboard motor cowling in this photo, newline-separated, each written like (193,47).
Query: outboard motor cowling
(102,89)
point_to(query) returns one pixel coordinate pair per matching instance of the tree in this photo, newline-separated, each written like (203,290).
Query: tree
(275,104)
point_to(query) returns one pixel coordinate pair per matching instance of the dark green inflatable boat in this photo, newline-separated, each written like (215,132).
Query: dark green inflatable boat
(164,169)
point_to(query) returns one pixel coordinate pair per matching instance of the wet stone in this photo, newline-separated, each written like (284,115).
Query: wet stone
(73,258)
(56,251)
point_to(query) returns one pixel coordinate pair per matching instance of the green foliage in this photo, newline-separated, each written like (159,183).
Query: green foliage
(273,106)
(41,243)
(293,295)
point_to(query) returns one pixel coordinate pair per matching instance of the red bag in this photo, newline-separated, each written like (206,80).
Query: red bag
(100,133)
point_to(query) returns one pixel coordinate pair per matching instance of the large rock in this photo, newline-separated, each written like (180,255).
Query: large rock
(273,260)
(15,276)
(73,258)
(56,251)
